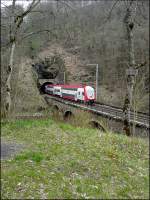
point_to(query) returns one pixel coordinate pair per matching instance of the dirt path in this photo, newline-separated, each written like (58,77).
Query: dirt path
(8,149)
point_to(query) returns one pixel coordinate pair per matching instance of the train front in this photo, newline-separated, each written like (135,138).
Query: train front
(89,95)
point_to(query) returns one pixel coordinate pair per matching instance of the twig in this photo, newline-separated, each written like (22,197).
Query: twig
(109,14)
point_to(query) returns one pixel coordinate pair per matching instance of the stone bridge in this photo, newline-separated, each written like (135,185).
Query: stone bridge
(69,110)
(65,110)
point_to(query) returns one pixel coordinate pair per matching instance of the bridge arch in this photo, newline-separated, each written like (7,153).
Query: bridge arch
(68,114)
(97,125)
(55,108)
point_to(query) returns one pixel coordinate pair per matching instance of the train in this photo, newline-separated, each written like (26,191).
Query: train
(78,93)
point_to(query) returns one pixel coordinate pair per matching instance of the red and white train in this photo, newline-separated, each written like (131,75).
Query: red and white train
(78,93)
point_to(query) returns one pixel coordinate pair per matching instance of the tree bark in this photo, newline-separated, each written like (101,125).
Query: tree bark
(16,22)
(8,102)
(8,81)
(129,76)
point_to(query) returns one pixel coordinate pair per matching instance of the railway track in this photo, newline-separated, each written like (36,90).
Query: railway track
(142,119)
(139,118)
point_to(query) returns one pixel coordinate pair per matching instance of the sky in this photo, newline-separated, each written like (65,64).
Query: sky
(24,3)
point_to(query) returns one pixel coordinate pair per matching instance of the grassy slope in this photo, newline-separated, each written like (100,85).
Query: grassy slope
(60,161)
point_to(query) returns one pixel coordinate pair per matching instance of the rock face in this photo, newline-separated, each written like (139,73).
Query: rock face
(49,68)
(43,73)
(27,98)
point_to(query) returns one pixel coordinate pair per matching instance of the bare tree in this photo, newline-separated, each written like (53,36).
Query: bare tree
(15,24)
(132,70)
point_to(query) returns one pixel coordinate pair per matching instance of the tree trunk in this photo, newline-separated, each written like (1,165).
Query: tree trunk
(130,73)
(8,81)
(16,22)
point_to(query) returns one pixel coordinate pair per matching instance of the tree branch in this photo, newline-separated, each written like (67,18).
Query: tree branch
(31,7)
(141,65)
(67,4)
(33,33)
(5,6)
(140,10)
(109,14)
(19,18)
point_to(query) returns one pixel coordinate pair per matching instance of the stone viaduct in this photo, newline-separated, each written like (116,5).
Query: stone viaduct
(67,110)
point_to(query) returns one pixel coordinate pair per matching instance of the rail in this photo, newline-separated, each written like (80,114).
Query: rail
(108,111)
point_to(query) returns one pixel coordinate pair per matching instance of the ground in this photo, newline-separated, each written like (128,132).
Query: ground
(58,160)
(8,149)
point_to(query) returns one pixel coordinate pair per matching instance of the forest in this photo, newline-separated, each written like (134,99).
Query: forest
(81,32)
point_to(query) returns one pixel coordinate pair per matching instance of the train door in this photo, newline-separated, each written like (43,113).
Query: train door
(57,90)
(76,96)
(80,94)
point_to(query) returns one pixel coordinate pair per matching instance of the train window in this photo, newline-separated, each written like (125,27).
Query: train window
(83,93)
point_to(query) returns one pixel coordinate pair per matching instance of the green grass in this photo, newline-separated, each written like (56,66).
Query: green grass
(61,161)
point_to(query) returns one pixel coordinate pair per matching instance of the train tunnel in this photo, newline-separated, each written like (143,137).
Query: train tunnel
(42,88)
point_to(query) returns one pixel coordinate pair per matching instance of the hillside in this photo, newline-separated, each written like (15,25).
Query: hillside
(82,34)
(59,161)
(27,97)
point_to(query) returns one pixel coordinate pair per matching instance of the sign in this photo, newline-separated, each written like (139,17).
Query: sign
(131,72)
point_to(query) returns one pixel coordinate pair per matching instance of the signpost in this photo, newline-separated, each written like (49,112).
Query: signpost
(131,74)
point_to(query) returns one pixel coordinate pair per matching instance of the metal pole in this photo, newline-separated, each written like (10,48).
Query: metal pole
(96,81)
(64,78)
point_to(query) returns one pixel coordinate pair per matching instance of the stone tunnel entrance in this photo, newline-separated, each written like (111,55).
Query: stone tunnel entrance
(42,88)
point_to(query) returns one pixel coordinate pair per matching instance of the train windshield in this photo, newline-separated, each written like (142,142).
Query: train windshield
(90,92)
